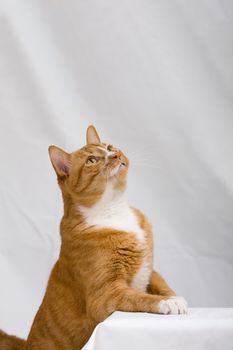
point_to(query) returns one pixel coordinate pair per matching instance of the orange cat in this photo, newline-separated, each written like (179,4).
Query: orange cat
(105,263)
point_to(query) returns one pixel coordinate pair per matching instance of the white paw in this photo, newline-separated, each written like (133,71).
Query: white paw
(173,305)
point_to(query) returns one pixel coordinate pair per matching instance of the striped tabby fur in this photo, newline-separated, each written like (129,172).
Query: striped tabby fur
(105,262)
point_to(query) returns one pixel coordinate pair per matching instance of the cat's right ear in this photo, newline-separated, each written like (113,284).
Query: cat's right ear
(60,160)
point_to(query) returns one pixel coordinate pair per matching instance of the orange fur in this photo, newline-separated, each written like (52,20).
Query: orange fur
(10,342)
(93,275)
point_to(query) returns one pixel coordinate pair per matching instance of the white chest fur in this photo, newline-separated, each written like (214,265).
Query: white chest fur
(141,279)
(113,211)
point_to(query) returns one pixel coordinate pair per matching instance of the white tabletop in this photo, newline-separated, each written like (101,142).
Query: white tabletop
(201,328)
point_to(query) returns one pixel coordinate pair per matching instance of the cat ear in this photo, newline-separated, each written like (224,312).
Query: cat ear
(60,160)
(92,135)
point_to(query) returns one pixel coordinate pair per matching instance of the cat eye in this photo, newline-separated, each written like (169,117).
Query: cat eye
(91,160)
(110,148)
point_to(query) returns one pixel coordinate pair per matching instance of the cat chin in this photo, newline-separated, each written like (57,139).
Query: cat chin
(118,169)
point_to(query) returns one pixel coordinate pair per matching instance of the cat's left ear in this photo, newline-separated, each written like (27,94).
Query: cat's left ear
(60,160)
(92,135)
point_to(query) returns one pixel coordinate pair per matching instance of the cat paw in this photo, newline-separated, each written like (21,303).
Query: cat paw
(174,305)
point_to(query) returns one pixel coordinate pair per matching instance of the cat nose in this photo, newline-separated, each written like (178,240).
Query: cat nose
(115,155)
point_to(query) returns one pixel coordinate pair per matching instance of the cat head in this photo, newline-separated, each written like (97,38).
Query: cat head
(84,175)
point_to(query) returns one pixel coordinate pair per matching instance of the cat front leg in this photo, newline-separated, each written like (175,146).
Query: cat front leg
(159,286)
(172,304)
(121,298)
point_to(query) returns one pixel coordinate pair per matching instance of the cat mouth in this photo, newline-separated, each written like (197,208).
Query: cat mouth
(117,169)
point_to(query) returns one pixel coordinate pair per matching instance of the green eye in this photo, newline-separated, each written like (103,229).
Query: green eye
(110,148)
(91,160)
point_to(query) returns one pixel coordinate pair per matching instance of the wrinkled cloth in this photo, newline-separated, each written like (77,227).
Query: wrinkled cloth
(200,329)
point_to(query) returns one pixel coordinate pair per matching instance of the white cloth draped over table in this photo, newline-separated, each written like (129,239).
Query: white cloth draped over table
(200,329)
(156,79)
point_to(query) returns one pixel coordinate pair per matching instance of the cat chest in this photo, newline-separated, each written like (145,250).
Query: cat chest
(118,216)
(141,277)
(123,218)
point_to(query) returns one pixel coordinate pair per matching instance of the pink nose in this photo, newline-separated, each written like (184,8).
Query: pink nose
(115,155)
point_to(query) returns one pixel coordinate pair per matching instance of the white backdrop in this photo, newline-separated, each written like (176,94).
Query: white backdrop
(155,78)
